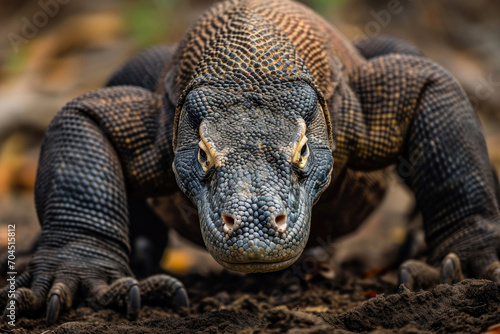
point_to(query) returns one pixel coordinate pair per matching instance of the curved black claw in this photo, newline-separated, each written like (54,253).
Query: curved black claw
(451,270)
(133,302)
(60,298)
(53,309)
(406,279)
(447,271)
(181,298)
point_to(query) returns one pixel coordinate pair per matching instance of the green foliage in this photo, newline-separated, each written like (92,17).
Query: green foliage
(16,62)
(148,21)
(324,5)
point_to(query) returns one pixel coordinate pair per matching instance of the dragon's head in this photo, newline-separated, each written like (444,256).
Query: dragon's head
(253,163)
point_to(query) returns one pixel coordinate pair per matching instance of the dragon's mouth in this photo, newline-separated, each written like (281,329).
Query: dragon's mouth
(258,267)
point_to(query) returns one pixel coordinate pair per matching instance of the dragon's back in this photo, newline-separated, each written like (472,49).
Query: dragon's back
(249,44)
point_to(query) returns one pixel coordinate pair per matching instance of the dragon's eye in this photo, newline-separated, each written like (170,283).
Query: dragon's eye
(204,157)
(302,153)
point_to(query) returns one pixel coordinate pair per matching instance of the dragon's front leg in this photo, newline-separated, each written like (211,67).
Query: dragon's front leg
(406,108)
(100,148)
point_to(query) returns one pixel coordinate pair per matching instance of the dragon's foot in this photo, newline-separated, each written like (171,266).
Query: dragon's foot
(56,278)
(414,274)
(471,251)
(125,294)
(128,294)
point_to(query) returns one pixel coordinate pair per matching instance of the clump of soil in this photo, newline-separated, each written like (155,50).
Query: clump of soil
(269,303)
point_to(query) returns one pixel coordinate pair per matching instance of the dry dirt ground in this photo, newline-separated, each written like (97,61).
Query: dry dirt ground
(230,303)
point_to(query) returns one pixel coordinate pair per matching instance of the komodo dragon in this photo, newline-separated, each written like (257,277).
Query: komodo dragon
(257,111)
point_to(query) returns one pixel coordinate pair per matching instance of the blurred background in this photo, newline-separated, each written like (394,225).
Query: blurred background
(52,51)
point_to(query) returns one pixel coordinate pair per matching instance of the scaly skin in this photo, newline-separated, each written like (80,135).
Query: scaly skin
(262,105)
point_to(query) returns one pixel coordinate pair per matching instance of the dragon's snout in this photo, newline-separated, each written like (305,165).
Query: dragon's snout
(258,219)
(257,233)
(232,224)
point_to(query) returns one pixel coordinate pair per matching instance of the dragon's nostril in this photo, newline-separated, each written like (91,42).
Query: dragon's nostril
(228,223)
(281,222)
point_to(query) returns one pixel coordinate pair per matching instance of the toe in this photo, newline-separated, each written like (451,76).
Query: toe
(417,274)
(406,279)
(60,298)
(124,293)
(181,298)
(26,300)
(53,309)
(451,270)
(164,290)
(20,282)
(133,302)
